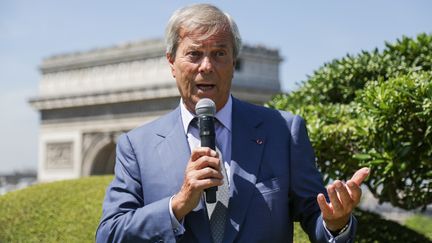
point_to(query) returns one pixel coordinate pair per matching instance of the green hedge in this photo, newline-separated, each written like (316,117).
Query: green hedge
(373,109)
(69,211)
(64,211)
(373,228)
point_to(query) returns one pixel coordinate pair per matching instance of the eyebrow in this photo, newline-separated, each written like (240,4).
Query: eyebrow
(195,46)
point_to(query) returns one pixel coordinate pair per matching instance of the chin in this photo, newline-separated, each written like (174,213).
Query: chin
(202,96)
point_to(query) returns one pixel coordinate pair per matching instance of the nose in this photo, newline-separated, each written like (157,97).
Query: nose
(206,66)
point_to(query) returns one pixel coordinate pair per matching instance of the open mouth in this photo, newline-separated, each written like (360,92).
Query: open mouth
(205,87)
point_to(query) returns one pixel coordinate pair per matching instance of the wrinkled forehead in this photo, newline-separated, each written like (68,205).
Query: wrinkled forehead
(201,37)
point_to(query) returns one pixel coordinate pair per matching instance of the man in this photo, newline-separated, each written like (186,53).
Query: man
(265,155)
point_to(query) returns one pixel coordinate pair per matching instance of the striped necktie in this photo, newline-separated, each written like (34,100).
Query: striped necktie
(217,212)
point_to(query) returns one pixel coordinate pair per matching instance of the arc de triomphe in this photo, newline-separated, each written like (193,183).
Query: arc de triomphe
(87,99)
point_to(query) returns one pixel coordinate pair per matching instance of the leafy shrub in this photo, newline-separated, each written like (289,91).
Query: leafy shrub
(65,211)
(373,110)
(373,228)
(339,80)
(69,211)
(399,141)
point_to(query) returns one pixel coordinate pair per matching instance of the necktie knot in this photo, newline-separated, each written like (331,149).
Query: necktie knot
(195,123)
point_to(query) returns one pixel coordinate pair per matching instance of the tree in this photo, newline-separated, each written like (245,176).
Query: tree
(373,109)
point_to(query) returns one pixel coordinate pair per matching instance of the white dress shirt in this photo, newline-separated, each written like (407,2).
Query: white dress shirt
(223,143)
(223,132)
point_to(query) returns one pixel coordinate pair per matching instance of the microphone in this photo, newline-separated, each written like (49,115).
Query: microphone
(205,109)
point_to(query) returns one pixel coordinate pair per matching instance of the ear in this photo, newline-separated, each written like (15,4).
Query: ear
(170,60)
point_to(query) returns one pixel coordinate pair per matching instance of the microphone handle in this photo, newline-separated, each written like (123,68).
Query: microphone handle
(208,139)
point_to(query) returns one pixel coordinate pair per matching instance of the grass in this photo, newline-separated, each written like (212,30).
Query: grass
(421,224)
(373,228)
(64,211)
(69,211)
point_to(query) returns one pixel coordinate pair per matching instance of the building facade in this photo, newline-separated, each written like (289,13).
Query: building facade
(87,99)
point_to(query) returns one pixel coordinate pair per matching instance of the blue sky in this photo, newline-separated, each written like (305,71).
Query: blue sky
(307,33)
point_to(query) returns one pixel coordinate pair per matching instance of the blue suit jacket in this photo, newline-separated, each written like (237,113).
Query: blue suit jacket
(274,182)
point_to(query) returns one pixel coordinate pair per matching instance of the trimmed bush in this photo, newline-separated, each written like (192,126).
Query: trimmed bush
(64,211)
(69,211)
(339,80)
(374,110)
(398,145)
(373,228)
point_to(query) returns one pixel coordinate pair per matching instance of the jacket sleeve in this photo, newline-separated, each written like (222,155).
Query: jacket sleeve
(306,184)
(125,216)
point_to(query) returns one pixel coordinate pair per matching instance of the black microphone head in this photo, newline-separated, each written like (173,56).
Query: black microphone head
(205,107)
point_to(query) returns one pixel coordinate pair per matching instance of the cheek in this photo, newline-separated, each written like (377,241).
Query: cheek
(228,74)
(227,85)
(188,71)
(185,84)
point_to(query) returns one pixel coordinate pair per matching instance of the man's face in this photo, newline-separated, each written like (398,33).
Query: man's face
(203,68)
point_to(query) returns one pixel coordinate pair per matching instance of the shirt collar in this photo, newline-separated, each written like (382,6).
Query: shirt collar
(224,115)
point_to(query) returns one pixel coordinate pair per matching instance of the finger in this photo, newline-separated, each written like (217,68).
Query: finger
(202,151)
(208,172)
(210,182)
(344,196)
(201,179)
(206,161)
(334,199)
(360,175)
(356,191)
(199,185)
(326,210)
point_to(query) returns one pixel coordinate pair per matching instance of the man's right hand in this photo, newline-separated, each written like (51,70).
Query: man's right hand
(202,172)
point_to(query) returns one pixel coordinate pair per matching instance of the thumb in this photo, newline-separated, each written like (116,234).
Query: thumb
(360,175)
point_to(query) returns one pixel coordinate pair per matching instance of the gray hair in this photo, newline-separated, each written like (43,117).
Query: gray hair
(203,17)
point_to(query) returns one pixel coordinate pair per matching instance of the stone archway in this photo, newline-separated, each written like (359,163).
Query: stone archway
(104,161)
(99,153)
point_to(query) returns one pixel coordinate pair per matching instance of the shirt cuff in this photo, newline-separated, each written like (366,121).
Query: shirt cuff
(177,226)
(342,234)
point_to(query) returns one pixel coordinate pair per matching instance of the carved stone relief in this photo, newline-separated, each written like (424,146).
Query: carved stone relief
(59,155)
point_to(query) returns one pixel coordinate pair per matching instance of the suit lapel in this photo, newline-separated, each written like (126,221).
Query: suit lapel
(246,152)
(174,153)
(173,149)
(247,148)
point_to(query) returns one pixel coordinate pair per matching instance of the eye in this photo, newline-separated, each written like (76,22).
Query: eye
(220,53)
(194,53)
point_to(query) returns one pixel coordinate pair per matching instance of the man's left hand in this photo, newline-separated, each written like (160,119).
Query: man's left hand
(344,197)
